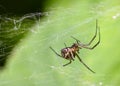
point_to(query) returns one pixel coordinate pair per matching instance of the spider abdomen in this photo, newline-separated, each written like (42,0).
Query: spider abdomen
(68,53)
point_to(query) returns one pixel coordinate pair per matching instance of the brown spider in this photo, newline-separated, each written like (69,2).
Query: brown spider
(69,53)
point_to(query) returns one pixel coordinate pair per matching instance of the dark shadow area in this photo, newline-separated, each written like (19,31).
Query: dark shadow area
(19,7)
(12,30)
(14,8)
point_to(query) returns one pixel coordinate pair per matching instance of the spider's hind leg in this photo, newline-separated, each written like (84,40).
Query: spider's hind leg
(65,45)
(67,63)
(55,52)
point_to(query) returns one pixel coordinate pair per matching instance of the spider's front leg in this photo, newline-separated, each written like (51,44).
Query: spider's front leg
(95,44)
(87,45)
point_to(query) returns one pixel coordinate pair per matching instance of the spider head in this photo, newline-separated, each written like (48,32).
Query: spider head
(76,47)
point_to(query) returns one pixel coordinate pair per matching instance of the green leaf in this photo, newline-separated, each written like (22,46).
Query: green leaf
(32,63)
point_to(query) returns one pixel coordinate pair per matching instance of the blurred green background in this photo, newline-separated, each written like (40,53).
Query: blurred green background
(32,63)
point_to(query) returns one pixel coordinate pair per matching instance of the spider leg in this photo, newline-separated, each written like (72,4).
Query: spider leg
(81,44)
(78,41)
(67,63)
(84,63)
(55,52)
(65,45)
(95,44)
(93,36)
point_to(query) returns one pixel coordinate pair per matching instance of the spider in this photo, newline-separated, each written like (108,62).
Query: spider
(70,53)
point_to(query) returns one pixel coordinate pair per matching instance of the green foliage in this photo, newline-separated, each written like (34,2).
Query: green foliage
(12,30)
(32,63)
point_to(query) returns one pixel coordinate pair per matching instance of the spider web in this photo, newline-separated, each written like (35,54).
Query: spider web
(28,69)
(9,37)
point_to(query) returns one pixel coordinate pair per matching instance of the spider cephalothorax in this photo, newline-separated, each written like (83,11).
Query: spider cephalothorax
(70,52)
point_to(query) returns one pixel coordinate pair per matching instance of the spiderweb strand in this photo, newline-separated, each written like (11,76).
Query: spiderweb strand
(9,37)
